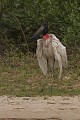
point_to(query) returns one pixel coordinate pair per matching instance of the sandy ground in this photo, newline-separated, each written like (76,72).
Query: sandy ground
(40,108)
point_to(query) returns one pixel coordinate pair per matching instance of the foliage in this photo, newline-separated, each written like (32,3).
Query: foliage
(19,19)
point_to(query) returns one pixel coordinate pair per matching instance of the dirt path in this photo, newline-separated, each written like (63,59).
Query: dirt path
(40,108)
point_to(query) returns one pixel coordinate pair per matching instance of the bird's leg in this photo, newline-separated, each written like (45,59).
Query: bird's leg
(43,84)
(52,80)
(51,64)
(58,57)
(52,72)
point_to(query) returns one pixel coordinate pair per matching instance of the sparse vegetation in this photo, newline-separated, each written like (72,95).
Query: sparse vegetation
(20,75)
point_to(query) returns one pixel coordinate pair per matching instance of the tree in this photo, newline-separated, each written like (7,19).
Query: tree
(19,19)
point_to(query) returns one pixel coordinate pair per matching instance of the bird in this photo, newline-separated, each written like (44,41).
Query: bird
(50,51)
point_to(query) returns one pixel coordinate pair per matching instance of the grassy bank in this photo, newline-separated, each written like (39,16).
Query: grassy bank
(20,75)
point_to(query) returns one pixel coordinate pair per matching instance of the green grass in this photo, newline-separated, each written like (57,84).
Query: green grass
(20,75)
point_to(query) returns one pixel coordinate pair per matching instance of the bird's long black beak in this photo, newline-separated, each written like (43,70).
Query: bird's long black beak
(40,30)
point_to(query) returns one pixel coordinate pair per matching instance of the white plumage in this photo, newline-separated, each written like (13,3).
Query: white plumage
(50,51)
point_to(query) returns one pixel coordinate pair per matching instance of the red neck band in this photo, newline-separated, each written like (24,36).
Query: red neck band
(45,37)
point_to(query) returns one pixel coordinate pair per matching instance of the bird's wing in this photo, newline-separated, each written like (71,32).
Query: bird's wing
(59,49)
(40,57)
(62,51)
(57,57)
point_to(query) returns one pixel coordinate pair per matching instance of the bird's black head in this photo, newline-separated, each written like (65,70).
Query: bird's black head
(45,30)
(42,30)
